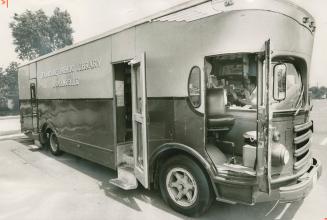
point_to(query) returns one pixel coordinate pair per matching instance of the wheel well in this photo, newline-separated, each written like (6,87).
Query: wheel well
(44,130)
(172,153)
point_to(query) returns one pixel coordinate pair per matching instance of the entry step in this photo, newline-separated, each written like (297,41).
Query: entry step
(126,178)
(128,158)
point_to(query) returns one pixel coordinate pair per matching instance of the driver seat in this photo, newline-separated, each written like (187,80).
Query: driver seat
(217,119)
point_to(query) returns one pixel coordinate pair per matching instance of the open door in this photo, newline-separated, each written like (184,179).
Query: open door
(263,165)
(139,120)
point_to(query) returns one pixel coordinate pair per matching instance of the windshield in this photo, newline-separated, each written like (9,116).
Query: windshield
(294,87)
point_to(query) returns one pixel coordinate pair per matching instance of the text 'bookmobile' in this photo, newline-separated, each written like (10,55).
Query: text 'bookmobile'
(207,100)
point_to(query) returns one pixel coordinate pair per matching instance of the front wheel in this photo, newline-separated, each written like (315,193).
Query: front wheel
(54,145)
(184,186)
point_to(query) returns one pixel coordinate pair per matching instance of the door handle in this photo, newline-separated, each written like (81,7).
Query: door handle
(148,117)
(138,117)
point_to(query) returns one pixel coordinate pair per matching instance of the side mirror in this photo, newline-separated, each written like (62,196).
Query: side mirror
(280,82)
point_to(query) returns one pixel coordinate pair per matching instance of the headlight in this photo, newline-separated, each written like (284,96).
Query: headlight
(279,155)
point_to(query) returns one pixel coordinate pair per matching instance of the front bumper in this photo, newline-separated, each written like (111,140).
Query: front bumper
(304,184)
(246,192)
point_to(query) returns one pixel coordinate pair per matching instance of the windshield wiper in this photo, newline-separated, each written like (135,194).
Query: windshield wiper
(299,102)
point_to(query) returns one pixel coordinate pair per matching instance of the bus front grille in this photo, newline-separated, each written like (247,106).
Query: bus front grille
(302,143)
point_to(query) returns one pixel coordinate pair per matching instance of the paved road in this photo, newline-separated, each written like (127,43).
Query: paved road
(9,125)
(37,185)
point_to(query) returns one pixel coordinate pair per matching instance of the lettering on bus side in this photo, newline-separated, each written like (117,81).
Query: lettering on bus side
(66,75)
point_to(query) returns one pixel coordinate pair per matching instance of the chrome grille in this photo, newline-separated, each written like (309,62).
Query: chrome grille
(302,143)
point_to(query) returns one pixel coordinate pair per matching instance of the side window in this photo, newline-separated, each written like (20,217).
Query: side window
(288,87)
(194,86)
(279,82)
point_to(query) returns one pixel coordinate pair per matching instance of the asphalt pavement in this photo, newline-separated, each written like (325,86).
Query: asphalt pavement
(36,185)
(9,125)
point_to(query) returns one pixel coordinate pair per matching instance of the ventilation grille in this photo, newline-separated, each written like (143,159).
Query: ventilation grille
(191,14)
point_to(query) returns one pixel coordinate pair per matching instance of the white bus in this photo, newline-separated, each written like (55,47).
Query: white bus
(205,101)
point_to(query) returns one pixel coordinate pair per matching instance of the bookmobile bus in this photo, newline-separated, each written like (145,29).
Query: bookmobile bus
(205,101)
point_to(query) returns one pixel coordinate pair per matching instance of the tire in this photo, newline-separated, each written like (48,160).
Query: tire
(54,145)
(45,139)
(184,186)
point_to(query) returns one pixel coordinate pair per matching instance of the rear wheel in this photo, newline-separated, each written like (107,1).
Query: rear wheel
(45,138)
(184,186)
(54,145)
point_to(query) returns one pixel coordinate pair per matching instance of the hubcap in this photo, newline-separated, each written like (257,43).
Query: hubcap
(181,187)
(53,143)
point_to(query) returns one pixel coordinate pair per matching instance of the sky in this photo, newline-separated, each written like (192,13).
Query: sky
(90,18)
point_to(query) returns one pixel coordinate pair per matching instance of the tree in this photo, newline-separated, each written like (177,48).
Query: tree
(9,86)
(2,84)
(11,79)
(36,34)
(318,92)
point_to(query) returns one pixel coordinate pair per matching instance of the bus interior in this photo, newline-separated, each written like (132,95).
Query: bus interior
(231,105)
(123,98)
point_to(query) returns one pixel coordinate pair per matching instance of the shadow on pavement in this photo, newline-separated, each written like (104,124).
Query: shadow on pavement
(221,211)
(103,175)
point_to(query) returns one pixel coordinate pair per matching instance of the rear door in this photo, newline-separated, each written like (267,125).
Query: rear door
(139,112)
(28,97)
(263,165)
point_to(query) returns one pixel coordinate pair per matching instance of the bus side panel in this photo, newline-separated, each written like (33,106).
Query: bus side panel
(172,49)
(161,128)
(84,127)
(84,72)
(123,45)
(75,95)
(173,120)
(189,125)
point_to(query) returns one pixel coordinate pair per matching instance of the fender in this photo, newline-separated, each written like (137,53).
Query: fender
(178,146)
(50,125)
(188,151)
(46,125)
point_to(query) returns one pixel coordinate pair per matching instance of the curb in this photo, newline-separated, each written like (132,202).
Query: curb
(9,117)
(13,137)
(4,133)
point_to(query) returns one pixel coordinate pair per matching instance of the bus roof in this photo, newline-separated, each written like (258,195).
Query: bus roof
(197,9)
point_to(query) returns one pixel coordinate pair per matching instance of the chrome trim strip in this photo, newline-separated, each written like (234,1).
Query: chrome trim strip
(90,145)
(219,179)
(303,137)
(302,127)
(286,178)
(303,149)
(302,162)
